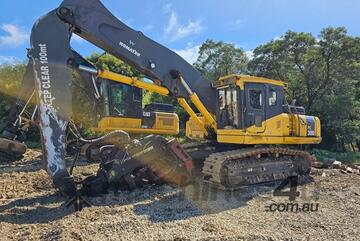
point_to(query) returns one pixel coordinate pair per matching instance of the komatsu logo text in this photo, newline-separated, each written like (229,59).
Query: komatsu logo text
(46,95)
(131,50)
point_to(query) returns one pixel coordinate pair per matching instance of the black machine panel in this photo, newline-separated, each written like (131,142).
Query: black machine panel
(275,100)
(159,107)
(263,101)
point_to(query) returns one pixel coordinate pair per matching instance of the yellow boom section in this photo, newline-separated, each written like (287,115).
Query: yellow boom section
(133,82)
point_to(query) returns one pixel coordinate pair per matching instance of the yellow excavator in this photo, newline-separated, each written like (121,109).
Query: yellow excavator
(244,121)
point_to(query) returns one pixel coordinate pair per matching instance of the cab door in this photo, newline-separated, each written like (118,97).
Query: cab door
(255,107)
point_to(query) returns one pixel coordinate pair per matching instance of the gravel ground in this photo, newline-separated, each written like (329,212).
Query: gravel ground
(30,209)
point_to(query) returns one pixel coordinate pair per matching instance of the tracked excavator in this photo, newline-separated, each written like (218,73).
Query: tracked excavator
(244,123)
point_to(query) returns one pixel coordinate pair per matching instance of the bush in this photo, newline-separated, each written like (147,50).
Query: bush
(344,157)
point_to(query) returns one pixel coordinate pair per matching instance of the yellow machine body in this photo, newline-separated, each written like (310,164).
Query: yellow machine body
(283,128)
(164,124)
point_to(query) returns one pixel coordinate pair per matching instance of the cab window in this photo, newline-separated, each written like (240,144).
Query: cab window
(272,97)
(117,94)
(117,100)
(228,107)
(256,99)
(222,99)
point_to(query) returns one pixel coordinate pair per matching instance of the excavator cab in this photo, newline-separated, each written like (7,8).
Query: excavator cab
(253,110)
(248,107)
(124,110)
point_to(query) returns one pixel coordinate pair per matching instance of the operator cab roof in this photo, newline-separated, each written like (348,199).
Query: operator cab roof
(240,80)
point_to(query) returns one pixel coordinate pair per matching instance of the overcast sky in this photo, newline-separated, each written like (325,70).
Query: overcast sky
(184,25)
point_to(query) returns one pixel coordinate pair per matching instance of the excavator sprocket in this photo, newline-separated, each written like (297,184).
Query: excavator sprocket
(231,170)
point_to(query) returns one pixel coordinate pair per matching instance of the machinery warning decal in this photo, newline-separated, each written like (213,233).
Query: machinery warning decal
(45,86)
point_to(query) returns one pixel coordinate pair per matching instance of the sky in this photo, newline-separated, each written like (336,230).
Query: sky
(184,25)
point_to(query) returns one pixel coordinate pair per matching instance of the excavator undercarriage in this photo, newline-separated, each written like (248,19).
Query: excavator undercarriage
(229,167)
(233,169)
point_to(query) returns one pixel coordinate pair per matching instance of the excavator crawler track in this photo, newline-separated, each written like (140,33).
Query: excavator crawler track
(231,170)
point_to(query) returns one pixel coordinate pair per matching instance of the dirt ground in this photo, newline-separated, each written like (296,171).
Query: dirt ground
(30,209)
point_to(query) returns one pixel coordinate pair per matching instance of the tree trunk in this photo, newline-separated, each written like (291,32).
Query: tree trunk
(343,147)
(352,147)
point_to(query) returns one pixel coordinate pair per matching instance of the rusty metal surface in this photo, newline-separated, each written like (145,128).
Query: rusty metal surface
(12,147)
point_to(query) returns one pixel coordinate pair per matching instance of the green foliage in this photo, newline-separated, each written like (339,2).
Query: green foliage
(33,144)
(10,81)
(340,114)
(344,157)
(218,59)
(109,62)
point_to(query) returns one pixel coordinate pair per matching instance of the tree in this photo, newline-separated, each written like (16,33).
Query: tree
(10,81)
(218,59)
(109,62)
(322,74)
